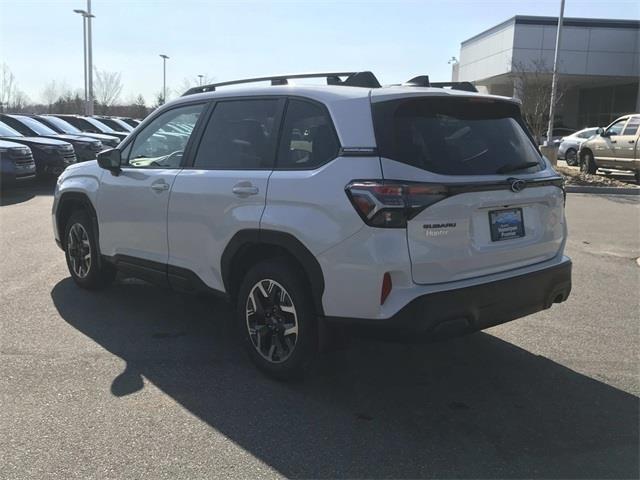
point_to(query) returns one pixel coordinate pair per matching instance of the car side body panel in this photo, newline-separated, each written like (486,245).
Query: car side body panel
(312,204)
(204,214)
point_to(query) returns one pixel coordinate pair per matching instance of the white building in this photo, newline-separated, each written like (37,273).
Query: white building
(599,63)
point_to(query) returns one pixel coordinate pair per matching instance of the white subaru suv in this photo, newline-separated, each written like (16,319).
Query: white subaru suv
(414,208)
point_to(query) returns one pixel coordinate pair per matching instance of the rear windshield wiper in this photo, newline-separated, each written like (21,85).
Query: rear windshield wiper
(512,167)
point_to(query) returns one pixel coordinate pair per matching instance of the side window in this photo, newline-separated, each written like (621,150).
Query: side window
(632,126)
(157,146)
(616,128)
(308,138)
(240,135)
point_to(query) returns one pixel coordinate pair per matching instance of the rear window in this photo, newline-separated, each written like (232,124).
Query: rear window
(632,126)
(455,136)
(308,138)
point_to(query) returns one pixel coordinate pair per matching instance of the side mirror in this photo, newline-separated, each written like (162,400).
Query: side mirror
(600,131)
(110,160)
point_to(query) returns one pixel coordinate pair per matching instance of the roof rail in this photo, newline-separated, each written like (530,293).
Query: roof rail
(354,79)
(423,81)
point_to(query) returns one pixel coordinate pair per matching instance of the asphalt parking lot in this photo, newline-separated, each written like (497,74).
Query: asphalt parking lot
(138,381)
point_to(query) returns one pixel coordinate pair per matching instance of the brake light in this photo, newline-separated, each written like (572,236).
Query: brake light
(390,204)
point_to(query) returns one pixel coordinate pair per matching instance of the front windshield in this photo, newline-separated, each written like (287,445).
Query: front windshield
(7,131)
(100,125)
(63,125)
(35,125)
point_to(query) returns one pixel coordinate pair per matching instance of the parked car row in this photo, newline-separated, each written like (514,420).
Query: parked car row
(612,147)
(42,145)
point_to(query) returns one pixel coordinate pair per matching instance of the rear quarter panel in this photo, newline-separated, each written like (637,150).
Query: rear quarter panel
(312,204)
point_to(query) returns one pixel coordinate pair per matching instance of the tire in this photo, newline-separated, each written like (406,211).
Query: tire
(587,163)
(264,321)
(81,253)
(571,157)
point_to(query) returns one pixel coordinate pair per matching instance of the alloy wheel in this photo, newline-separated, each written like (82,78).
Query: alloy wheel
(79,249)
(272,321)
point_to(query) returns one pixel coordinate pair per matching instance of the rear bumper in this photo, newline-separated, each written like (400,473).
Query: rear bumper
(464,310)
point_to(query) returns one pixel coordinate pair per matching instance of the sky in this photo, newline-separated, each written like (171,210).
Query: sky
(41,41)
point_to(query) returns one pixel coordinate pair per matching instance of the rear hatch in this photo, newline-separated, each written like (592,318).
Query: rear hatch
(479,198)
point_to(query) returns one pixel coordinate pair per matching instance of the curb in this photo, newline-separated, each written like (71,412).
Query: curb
(602,190)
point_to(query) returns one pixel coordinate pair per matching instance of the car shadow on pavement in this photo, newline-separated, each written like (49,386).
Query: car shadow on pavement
(13,194)
(471,407)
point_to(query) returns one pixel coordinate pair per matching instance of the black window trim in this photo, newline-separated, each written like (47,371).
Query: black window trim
(325,110)
(279,121)
(130,139)
(190,165)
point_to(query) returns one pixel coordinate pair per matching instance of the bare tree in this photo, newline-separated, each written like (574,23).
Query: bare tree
(50,94)
(7,87)
(20,102)
(533,87)
(139,107)
(69,102)
(159,99)
(107,89)
(190,82)
(11,97)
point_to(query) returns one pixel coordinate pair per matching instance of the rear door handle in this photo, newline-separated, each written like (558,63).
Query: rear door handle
(614,141)
(160,186)
(245,189)
(632,141)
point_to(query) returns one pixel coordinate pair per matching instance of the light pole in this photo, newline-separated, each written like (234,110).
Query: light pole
(89,57)
(88,106)
(164,77)
(200,81)
(554,78)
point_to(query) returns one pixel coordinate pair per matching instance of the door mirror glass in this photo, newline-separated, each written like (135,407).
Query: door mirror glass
(600,131)
(109,159)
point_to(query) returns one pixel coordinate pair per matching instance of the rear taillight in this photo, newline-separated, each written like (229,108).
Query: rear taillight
(389,204)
